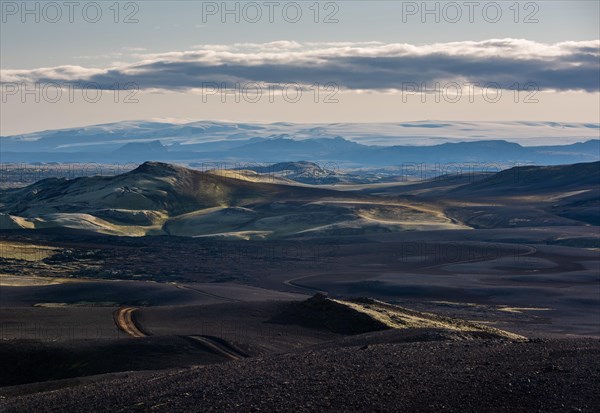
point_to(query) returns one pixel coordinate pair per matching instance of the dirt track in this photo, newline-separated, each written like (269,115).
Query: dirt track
(124,320)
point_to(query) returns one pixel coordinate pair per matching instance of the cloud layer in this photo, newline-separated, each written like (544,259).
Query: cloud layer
(354,66)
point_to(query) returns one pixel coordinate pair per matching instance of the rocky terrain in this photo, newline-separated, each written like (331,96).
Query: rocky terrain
(457,376)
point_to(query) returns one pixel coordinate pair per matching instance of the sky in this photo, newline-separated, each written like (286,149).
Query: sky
(305,61)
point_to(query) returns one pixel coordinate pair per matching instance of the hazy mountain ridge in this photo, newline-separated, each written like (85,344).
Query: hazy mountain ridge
(368,143)
(419,133)
(326,149)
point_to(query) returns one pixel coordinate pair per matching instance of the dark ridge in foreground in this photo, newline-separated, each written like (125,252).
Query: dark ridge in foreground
(454,376)
(29,361)
(322,313)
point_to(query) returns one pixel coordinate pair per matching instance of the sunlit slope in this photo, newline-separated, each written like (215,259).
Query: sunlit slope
(361,315)
(530,196)
(158,198)
(152,186)
(163,199)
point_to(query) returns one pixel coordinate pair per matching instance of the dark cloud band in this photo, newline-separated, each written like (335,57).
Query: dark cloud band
(572,66)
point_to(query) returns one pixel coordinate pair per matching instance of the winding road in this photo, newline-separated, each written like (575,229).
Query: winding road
(125,321)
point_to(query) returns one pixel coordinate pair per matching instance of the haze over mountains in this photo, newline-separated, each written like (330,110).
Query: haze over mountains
(354,144)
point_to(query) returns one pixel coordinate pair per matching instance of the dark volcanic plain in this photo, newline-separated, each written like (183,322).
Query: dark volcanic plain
(484,293)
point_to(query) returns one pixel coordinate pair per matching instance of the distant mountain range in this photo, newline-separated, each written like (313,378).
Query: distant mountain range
(371,145)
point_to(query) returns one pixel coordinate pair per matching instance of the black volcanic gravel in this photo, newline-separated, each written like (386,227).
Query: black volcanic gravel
(465,376)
